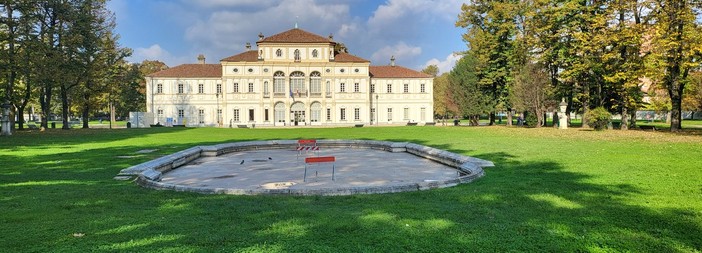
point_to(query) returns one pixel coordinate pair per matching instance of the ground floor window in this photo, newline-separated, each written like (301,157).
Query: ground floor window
(328,114)
(389,114)
(219,116)
(265,114)
(236,115)
(406,114)
(356,113)
(342,114)
(181,113)
(372,114)
(315,112)
(422,115)
(201,116)
(251,114)
(279,112)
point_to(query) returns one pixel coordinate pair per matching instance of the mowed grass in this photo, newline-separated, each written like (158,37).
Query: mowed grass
(550,191)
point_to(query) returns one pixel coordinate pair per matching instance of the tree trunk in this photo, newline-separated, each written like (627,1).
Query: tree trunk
(509,117)
(86,110)
(64,107)
(675,114)
(45,103)
(625,114)
(492,118)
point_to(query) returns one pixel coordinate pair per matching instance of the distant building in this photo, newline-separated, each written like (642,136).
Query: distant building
(291,78)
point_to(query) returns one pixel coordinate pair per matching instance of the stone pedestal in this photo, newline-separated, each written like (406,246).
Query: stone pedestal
(563,117)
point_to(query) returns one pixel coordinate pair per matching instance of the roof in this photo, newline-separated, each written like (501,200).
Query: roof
(395,72)
(191,70)
(344,57)
(295,35)
(250,55)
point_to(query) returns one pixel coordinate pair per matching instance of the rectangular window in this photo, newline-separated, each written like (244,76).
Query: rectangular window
(219,88)
(328,89)
(406,88)
(201,116)
(200,88)
(356,88)
(279,86)
(159,88)
(251,88)
(389,88)
(266,90)
(406,114)
(181,113)
(236,88)
(328,114)
(316,86)
(422,114)
(372,88)
(389,114)
(423,88)
(236,115)
(342,113)
(356,113)
(180,88)
(265,114)
(251,114)
(342,87)
(372,114)
(219,116)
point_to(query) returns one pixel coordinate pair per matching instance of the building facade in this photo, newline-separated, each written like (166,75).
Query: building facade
(292,78)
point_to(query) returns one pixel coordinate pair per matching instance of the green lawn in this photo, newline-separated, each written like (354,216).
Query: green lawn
(550,191)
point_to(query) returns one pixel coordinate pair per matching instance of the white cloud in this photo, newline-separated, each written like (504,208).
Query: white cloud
(446,65)
(401,51)
(225,32)
(155,52)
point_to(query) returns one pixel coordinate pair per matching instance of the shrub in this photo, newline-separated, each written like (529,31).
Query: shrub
(531,120)
(598,118)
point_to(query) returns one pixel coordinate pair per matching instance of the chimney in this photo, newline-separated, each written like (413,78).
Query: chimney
(248,46)
(260,36)
(392,61)
(201,59)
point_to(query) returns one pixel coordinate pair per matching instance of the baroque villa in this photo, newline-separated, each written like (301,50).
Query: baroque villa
(292,78)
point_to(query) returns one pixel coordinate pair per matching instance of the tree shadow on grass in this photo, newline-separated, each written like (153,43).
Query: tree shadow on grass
(518,206)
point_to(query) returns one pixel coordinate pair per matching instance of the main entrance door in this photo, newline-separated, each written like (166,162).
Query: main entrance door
(297,111)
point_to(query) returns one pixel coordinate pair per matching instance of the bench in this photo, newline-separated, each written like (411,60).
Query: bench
(430,123)
(411,123)
(321,159)
(242,126)
(32,127)
(358,125)
(648,128)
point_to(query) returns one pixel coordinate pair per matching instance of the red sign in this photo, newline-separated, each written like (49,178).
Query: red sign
(306,142)
(321,159)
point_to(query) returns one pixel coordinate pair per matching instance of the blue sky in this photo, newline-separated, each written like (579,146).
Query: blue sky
(416,32)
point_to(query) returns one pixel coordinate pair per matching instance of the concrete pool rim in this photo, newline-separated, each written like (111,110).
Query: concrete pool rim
(148,174)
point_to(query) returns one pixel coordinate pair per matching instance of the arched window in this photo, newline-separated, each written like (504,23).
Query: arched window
(315,112)
(279,112)
(297,54)
(297,83)
(315,83)
(279,53)
(315,53)
(279,83)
